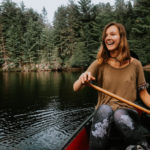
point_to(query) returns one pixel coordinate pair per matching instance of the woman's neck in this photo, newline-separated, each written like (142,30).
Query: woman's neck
(114,53)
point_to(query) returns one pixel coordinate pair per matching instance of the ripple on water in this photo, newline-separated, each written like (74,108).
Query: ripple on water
(41,129)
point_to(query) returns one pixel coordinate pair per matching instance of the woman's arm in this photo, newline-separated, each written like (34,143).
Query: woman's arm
(84,77)
(145,97)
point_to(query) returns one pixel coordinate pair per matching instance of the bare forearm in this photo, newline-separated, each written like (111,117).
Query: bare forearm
(77,85)
(144,95)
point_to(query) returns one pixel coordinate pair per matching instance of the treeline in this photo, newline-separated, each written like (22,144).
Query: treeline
(28,42)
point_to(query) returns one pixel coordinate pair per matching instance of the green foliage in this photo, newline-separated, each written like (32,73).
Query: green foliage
(80,57)
(74,38)
(21,30)
(140,30)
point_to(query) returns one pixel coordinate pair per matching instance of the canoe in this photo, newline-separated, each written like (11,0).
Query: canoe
(79,140)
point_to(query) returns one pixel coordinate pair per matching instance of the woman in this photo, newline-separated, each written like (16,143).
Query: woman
(116,71)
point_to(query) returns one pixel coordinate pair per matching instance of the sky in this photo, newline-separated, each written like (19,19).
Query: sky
(51,5)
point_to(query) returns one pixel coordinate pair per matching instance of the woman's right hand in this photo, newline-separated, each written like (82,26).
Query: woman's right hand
(86,77)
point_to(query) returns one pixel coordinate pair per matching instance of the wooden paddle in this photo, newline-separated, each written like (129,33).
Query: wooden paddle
(118,97)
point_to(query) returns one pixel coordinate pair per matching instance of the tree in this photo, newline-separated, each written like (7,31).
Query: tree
(11,19)
(74,37)
(3,52)
(21,30)
(88,36)
(121,11)
(140,30)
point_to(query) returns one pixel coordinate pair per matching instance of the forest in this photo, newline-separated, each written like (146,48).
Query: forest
(29,43)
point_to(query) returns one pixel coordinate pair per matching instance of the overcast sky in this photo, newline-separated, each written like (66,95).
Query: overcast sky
(51,5)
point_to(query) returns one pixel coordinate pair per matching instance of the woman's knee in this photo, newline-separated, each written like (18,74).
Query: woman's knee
(125,115)
(100,127)
(123,120)
(104,111)
(118,113)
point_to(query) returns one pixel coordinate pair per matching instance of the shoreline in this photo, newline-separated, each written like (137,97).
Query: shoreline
(45,70)
(147,67)
(73,69)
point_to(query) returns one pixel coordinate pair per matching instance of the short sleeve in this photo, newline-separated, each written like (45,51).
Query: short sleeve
(93,68)
(141,82)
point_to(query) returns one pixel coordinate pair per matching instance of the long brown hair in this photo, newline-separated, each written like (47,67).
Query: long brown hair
(124,53)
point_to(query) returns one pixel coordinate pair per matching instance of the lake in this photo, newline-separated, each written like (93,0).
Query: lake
(39,110)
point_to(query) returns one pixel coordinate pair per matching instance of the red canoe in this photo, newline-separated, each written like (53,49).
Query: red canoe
(80,138)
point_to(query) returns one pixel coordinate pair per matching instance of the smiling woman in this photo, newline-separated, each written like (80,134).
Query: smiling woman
(112,40)
(119,73)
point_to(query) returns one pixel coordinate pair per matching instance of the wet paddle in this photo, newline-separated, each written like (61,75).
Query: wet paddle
(118,97)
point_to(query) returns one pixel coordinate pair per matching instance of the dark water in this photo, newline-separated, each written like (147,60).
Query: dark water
(39,111)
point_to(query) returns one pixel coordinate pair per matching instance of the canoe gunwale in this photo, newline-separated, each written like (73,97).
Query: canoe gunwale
(77,131)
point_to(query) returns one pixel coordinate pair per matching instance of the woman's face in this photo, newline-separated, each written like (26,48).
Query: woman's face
(112,38)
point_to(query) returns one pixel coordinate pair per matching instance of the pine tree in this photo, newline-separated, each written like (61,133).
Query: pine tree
(4,58)
(140,30)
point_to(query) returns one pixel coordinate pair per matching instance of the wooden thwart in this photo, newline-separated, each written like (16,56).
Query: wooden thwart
(118,97)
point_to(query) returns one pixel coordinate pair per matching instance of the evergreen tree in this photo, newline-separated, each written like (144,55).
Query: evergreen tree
(88,36)
(122,11)
(31,37)
(140,30)
(11,20)
(60,31)
(75,37)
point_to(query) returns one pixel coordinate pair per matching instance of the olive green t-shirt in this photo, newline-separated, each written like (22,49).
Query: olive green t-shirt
(123,82)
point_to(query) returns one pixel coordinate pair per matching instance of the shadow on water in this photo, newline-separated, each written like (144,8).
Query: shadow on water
(40,110)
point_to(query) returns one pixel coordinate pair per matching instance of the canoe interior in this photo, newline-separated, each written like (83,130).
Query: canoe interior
(80,139)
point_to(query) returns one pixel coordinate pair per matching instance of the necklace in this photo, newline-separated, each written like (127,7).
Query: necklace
(115,59)
(114,63)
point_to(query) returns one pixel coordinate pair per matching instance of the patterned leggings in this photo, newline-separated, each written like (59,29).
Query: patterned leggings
(126,120)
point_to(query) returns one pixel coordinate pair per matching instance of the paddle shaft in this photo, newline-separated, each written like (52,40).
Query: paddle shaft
(118,98)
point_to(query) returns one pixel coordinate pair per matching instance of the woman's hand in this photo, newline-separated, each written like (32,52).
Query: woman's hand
(84,77)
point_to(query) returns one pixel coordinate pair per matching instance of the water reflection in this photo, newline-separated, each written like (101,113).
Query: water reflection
(40,110)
